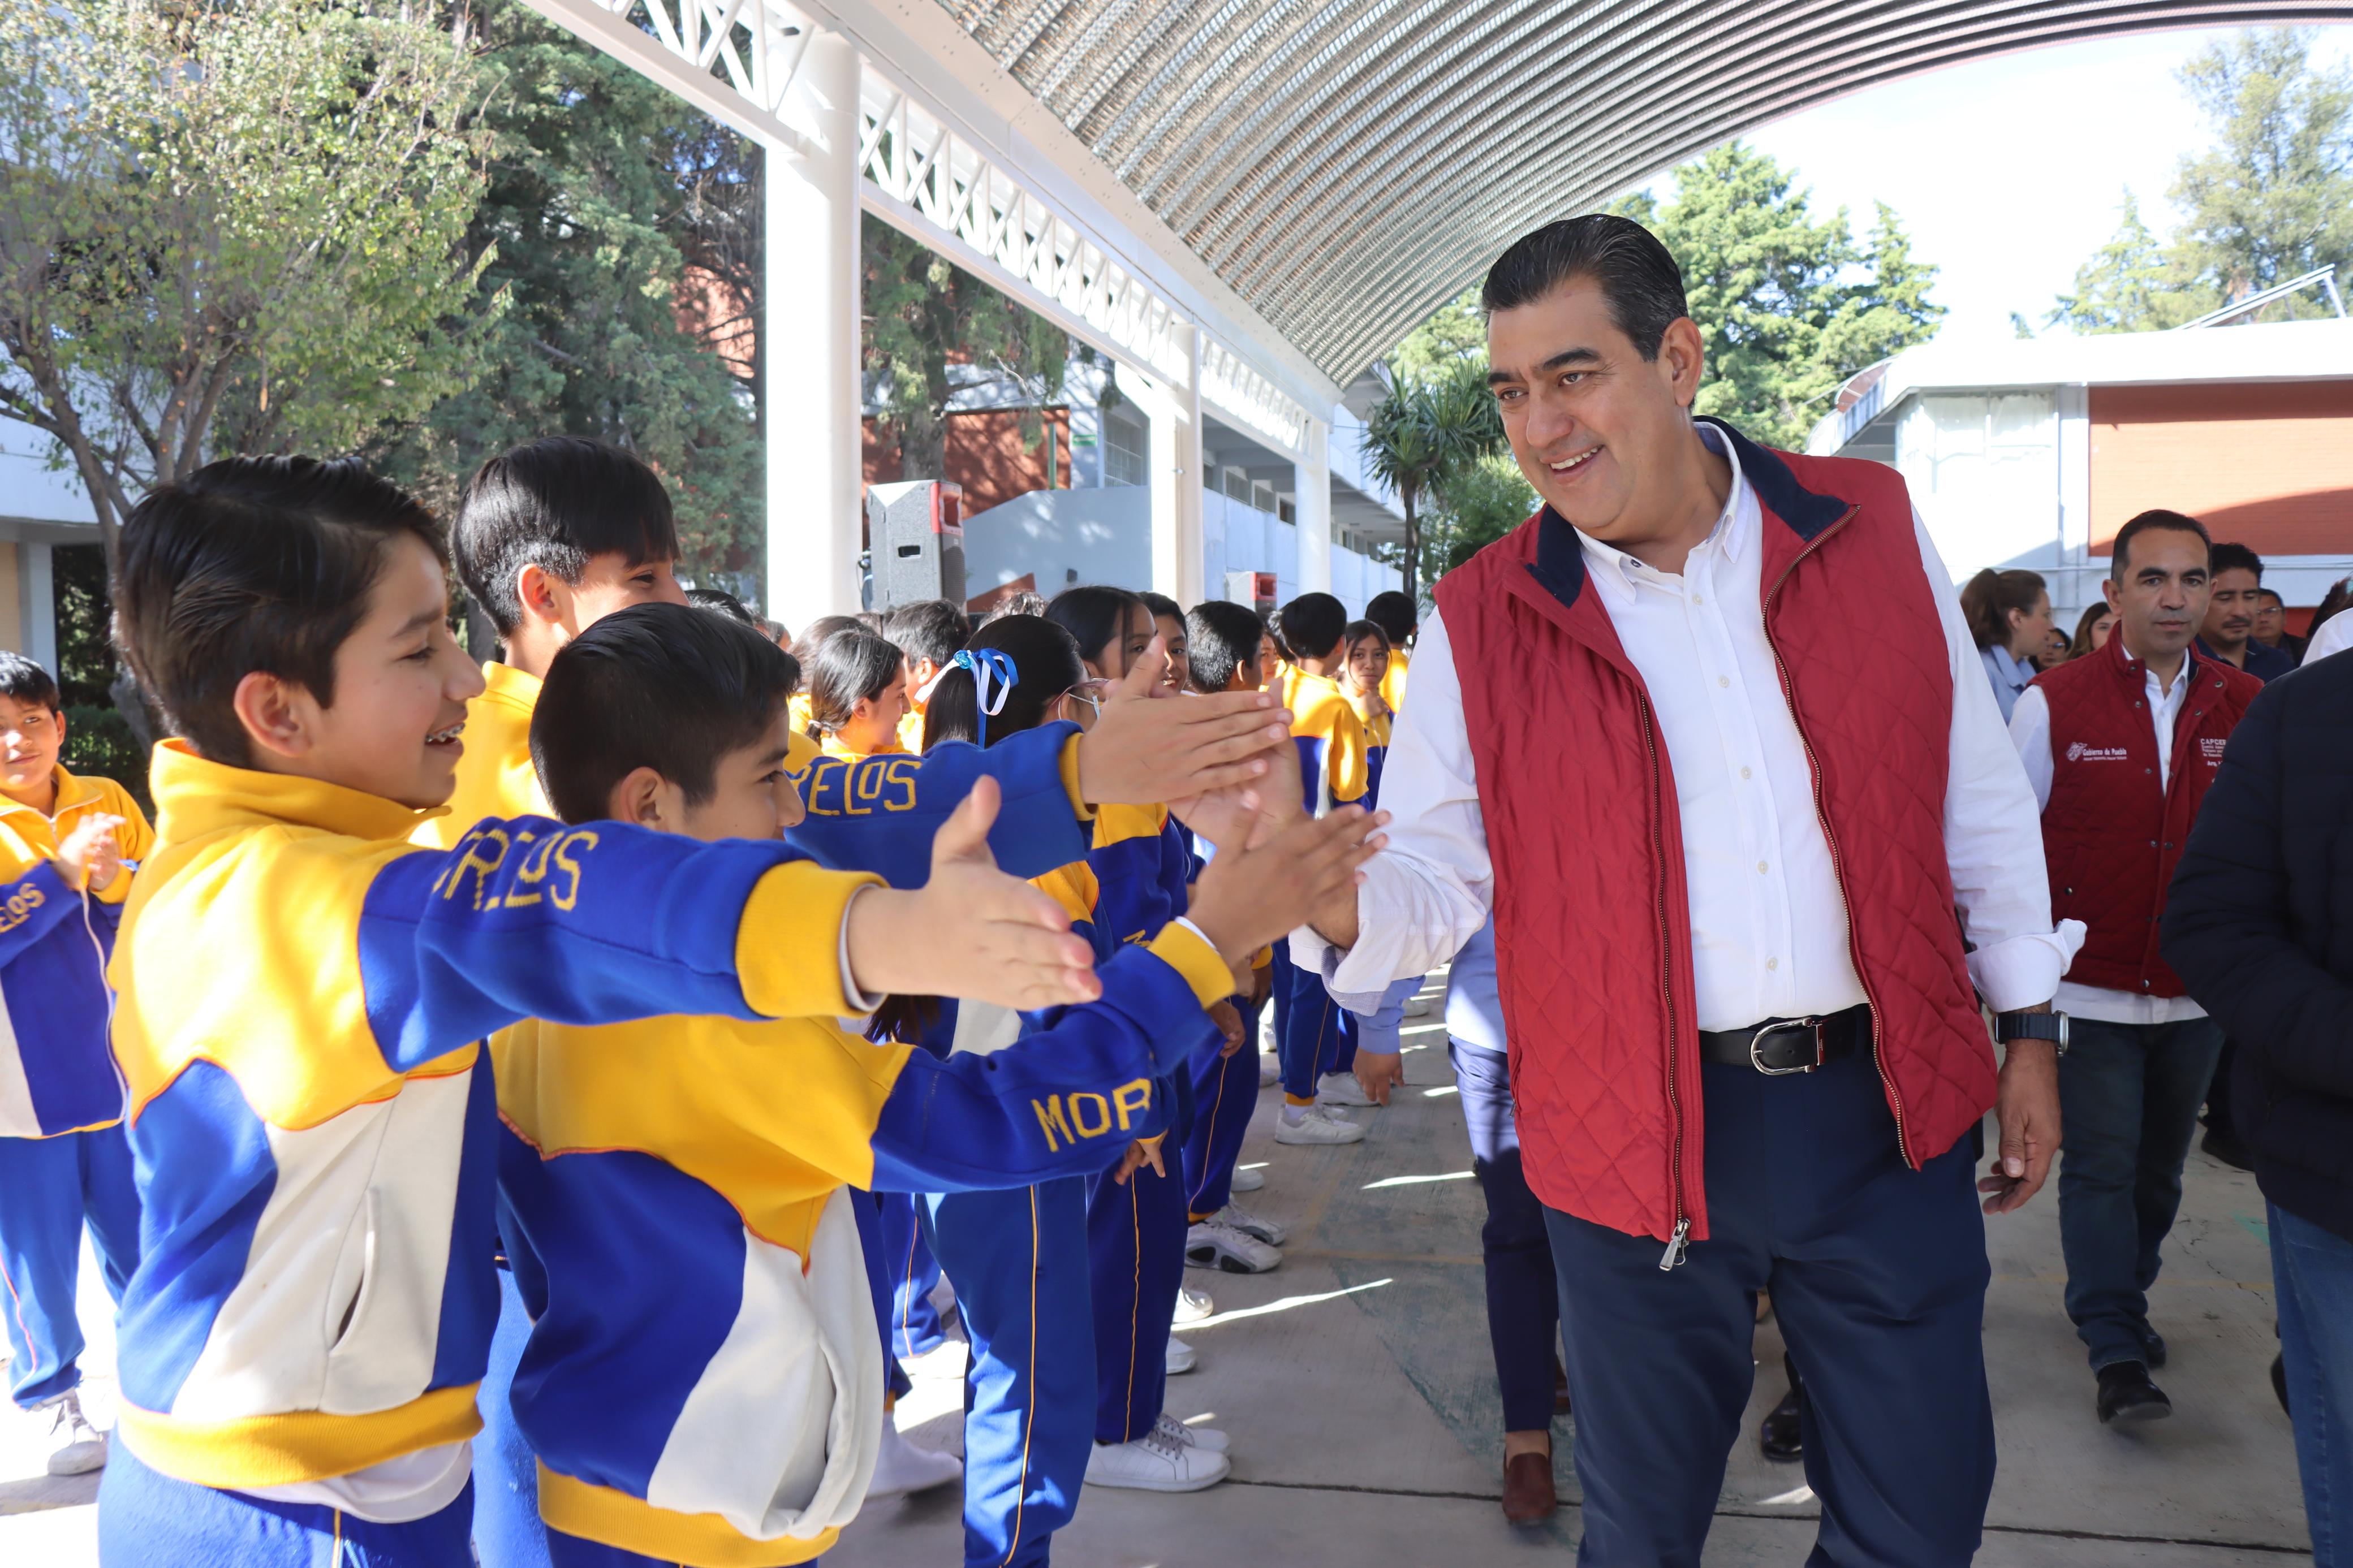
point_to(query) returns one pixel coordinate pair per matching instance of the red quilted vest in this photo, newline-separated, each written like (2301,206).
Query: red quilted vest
(1592,922)
(2110,836)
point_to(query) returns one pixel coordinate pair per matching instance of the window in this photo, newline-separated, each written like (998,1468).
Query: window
(1124,452)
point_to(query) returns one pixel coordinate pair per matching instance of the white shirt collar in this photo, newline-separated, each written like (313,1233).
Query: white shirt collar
(1618,572)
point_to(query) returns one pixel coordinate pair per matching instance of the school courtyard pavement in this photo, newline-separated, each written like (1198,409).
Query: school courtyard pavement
(1356,1385)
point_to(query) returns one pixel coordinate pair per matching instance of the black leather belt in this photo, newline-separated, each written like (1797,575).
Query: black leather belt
(1780,1046)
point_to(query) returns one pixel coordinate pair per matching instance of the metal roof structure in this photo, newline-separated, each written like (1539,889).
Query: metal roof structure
(1345,165)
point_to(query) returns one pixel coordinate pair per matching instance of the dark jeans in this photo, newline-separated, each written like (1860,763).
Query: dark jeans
(1522,1293)
(2128,1096)
(1878,1274)
(2312,1269)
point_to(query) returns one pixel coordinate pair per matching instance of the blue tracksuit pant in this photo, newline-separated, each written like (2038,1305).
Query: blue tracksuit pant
(1135,1264)
(507,1528)
(1020,1262)
(146,1518)
(1224,1092)
(1878,1274)
(1523,1290)
(868,1209)
(50,1189)
(1313,1034)
(911,1323)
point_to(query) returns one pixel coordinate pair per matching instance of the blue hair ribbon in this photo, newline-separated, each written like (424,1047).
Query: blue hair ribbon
(993,677)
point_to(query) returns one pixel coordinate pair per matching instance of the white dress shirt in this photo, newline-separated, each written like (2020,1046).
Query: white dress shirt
(1768,918)
(2334,635)
(2030,731)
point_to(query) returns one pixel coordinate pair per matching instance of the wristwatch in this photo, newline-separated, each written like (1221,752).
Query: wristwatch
(2050,1027)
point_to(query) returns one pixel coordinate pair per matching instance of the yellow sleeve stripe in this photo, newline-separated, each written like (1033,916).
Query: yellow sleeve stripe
(788,947)
(1197,960)
(298,1445)
(615,1519)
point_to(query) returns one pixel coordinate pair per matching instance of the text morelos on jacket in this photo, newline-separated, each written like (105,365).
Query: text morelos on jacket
(57,1071)
(2111,834)
(1578,798)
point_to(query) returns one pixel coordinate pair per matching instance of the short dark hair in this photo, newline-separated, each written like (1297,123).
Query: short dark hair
(846,670)
(556,504)
(1638,275)
(1312,625)
(1093,613)
(252,564)
(1046,663)
(2230,556)
(1395,612)
(2272,594)
(2170,521)
(927,629)
(1223,638)
(27,682)
(721,602)
(1358,631)
(666,686)
(1161,605)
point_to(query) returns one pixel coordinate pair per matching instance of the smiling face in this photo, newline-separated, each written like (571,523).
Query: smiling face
(401,688)
(1180,652)
(1603,434)
(1111,662)
(32,735)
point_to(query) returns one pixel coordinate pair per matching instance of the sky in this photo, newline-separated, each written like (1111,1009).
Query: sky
(2010,173)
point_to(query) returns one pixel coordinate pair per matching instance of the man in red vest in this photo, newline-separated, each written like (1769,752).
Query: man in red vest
(2120,746)
(1708,736)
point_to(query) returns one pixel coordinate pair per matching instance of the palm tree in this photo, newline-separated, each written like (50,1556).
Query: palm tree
(1421,434)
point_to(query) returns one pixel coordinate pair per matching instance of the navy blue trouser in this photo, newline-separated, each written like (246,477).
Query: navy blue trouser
(878,1255)
(1224,1092)
(1020,1262)
(1313,1034)
(50,1188)
(147,1520)
(1523,1290)
(1878,1274)
(2128,1098)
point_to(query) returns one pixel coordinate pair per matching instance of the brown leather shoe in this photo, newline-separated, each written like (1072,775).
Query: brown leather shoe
(1529,1496)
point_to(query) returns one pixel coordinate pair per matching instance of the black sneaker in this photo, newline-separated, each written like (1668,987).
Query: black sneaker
(2126,1394)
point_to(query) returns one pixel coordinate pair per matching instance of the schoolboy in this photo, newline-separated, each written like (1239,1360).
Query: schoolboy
(1316,1036)
(927,634)
(300,988)
(70,846)
(1168,620)
(690,1245)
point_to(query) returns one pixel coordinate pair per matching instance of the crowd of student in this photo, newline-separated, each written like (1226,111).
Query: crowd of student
(620,1038)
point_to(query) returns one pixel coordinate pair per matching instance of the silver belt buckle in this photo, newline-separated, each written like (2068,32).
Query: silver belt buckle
(1791,1027)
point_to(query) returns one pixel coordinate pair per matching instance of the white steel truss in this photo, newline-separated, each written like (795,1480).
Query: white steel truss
(736,59)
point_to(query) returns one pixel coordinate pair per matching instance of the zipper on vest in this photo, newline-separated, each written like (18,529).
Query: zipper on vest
(1675,1254)
(1829,834)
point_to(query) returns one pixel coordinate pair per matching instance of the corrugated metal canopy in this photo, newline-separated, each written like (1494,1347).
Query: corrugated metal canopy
(1347,165)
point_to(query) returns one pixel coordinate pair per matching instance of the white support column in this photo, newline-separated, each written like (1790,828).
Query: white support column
(1313,503)
(809,332)
(1176,477)
(36,603)
(2076,583)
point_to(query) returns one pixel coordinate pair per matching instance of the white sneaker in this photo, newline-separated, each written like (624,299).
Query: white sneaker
(83,1445)
(1317,1126)
(1247,1181)
(1214,1243)
(1156,1462)
(902,1468)
(1266,1230)
(944,1361)
(1207,1437)
(1192,1305)
(1270,1072)
(1341,1088)
(1420,1006)
(1181,1358)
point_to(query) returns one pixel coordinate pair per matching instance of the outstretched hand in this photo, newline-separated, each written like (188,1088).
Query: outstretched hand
(1254,892)
(971,931)
(1148,746)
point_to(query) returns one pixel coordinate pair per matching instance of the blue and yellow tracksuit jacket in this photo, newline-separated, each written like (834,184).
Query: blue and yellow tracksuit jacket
(1333,765)
(701,1380)
(1393,683)
(56,1073)
(300,992)
(1376,745)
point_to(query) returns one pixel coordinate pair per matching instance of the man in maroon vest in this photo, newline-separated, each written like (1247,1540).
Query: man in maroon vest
(1709,737)
(2120,746)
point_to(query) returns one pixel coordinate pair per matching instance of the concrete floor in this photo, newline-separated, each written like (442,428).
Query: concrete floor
(1355,1384)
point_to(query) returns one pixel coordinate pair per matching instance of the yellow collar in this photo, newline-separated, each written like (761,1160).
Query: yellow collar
(195,796)
(505,683)
(71,792)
